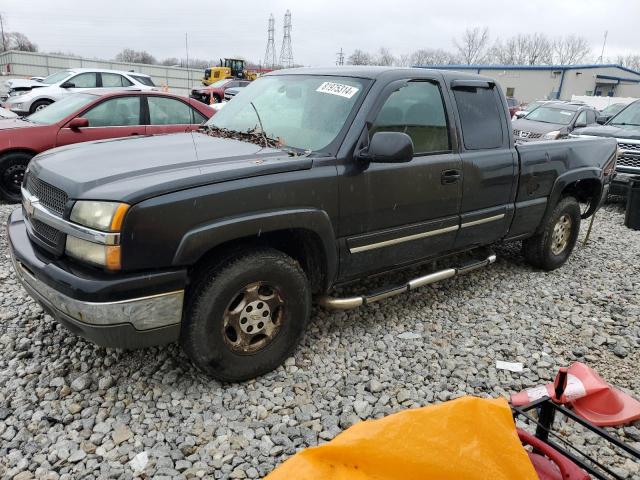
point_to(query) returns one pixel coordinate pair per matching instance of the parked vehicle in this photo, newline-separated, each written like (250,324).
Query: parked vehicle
(608,112)
(4,113)
(524,110)
(229,93)
(27,98)
(553,121)
(625,128)
(513,105)
(215,92)
(229,68)
(91,115)
(346,172)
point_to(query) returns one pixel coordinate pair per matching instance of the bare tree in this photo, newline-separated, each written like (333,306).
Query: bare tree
(428,56)
(534,49)
(129,55)
(472,47)
(404,60)
(384,57)
(570,49)
(359,57)
(19,41)
(630,61)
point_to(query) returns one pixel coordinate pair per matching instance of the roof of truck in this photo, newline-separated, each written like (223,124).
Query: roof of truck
(374,72)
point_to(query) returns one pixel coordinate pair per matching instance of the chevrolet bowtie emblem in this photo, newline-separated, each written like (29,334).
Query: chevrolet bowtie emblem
(28,206)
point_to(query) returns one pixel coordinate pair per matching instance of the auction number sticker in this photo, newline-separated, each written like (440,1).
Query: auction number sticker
(340,89)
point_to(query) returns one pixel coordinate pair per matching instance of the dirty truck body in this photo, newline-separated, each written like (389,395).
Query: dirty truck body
(221,243)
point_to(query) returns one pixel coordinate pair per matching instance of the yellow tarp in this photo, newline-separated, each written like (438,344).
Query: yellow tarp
(464,439)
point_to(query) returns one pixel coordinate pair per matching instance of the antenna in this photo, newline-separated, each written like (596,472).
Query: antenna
(286,55)
(340,60)
(270,53)
(606,33)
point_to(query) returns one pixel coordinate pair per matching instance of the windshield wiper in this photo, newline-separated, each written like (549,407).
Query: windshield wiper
(627,124)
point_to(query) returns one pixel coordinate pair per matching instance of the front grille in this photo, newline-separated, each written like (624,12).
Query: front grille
(629,160)
(47,233)
(635,147)
(525,135)
(49,196)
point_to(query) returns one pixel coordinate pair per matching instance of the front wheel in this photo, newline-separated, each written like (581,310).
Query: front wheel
(552,247)
(246,316)
(39,105)
(12,168)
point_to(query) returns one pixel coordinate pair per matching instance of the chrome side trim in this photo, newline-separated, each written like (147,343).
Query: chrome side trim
(432,278)
(482,220)
(144,313)
(408,238)
(37,211)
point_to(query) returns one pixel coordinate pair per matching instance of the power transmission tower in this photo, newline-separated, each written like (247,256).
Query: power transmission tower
(270,53)
(340,60)
(286,55)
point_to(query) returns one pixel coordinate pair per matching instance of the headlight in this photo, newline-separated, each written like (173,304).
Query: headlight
(16,93)
(107,256)
(104,216)
(552,135)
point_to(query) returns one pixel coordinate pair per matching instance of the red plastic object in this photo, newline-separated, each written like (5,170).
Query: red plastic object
(551,464)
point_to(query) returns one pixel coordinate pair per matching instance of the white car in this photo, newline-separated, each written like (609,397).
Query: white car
(59,84)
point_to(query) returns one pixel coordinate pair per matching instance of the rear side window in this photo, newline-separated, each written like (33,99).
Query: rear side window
(480,117)
(113,80)
(168,111)
(144,80)
(417,110)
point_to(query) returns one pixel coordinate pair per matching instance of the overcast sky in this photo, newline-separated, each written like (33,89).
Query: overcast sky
(224,28)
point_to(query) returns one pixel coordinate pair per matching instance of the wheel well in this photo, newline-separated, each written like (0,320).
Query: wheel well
(304,246)
(585,191)
(18,150)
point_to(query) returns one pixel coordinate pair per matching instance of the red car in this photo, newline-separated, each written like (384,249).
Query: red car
(214,93)
(87,116)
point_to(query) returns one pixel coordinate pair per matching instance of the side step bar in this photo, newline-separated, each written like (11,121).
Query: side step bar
(348,303)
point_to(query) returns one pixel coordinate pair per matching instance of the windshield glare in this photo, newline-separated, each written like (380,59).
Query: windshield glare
(629,116)
(61,109)
(551,115)
(56,77)
(301,111)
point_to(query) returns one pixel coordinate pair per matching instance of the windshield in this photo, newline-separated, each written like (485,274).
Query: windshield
(301,111)
(56,77)
(61,109)
(628,116)
(613,109)
(532,106)
(551,115)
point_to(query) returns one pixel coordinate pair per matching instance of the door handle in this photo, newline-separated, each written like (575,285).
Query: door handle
(450,176)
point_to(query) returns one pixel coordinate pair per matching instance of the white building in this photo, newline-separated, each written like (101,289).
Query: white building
(540,82)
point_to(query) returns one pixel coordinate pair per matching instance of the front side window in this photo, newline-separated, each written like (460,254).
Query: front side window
(556,115)
(301,111)
(480,117)
(113,80)
(417,110)
(168,111)
(84,80)
(115,112)
(582,118)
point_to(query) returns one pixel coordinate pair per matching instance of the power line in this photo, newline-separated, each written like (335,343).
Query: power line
(340,60)
(286,54)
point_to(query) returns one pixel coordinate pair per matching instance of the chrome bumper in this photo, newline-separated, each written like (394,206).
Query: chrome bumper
(143,313)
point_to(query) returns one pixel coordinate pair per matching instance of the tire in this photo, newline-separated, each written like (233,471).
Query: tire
(39,105)
(552,247)
(242,289)
(12,168)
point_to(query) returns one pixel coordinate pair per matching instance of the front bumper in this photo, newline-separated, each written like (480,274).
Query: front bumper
(133,322)
(620,183)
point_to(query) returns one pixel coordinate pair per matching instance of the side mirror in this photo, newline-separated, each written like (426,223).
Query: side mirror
(68,85)
(78,123)
(602,119)
(388,147)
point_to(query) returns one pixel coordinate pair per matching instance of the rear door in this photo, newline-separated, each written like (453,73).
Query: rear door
(171,115)
(397,213)
(488,163)
(112,118)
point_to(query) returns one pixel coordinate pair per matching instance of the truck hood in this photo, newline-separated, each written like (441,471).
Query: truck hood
(134,169)
(537,127)
(616,131)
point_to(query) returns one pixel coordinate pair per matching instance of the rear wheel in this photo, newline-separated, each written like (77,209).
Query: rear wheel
(246,316)
(552,247)
(12,168)
(39,105)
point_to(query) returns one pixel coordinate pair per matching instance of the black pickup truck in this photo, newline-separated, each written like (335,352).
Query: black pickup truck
(308,179)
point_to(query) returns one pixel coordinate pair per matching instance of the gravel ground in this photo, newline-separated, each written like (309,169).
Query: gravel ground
(69,409)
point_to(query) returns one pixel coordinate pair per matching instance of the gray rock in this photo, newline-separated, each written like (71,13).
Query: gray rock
(81,383)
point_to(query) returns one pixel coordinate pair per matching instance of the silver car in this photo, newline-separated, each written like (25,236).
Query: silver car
(40,94)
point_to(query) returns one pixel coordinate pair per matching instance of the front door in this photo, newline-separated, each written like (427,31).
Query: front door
(112,118)
(393,214)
